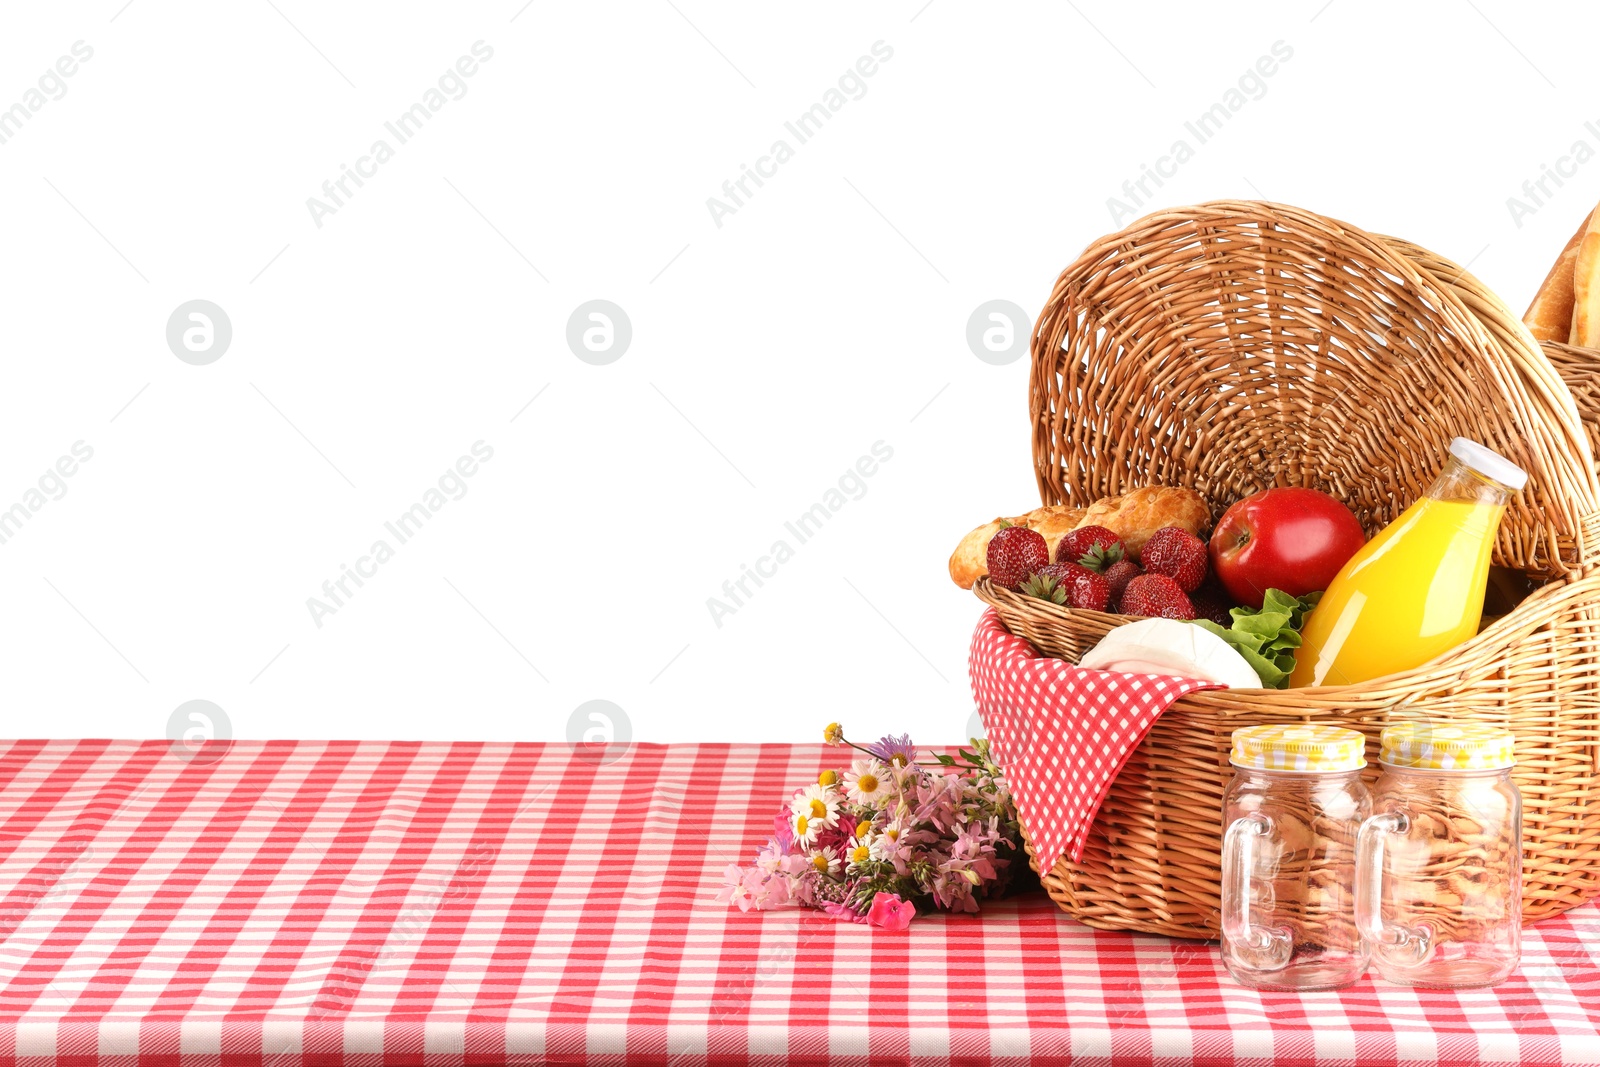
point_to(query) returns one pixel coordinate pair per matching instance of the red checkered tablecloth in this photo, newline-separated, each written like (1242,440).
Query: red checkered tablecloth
(411,903)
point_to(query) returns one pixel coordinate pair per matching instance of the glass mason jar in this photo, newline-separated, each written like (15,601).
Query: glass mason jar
(1439,895)
(1290,820)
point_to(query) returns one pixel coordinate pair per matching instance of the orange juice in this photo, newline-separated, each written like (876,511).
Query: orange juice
(1416,589)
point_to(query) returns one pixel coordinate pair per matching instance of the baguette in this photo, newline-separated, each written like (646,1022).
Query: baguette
(1586,288)
(1549,317)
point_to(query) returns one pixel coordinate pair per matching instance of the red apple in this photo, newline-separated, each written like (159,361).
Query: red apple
(1288,538)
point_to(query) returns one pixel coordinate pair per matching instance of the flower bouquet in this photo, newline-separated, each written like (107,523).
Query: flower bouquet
(873,843)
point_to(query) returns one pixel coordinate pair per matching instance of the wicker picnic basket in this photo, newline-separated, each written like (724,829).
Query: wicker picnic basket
(1235,346)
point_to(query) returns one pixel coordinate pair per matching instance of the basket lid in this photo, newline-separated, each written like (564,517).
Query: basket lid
(1234,346)
(1446,746)
(1299,747)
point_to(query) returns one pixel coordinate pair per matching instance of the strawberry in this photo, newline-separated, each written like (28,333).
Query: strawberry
(1119,574)
(1077,544)
(1064,573)
(1101,557)
(1044,586)
(1069,584)
(1156,595)
(1178,554)
(1089,591)
(1014,553)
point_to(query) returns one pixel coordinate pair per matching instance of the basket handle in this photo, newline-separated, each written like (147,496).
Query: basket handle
(1382,936)
(1268,947)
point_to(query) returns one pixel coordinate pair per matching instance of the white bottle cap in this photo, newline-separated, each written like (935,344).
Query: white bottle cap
(1488,462)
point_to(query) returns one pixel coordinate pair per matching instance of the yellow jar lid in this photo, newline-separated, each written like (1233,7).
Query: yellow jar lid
(1441,746)
(1299,747)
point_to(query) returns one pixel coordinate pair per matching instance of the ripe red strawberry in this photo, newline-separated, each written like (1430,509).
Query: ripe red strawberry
(1064,573)
(1119,574)
(1077,544)
(1178,554)
(1157,596)
(1014,553)
(1089,591)
(1044,586)
(1069,584)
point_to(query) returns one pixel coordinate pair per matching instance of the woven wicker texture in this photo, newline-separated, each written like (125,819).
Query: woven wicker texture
(1580,369)
(1238,345)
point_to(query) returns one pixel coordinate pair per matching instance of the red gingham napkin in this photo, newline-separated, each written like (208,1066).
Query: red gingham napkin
(1061,732)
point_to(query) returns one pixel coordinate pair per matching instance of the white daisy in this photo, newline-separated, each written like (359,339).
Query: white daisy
(817,803)
(867,782)
(805,830)
(826,861)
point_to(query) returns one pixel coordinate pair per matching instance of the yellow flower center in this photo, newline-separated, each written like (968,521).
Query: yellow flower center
(898,759)
(827,778)
(867,783)
(819,810)
(800,825)
(820,863)
(862,827)
(859,854)
(894,835)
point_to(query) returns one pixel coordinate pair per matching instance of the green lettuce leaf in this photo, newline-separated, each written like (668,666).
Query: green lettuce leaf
(1267,637)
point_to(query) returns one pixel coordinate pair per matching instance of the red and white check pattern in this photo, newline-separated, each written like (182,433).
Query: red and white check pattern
(404,903)
(1061,732)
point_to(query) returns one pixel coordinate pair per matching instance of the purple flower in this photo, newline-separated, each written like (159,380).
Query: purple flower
(896,750)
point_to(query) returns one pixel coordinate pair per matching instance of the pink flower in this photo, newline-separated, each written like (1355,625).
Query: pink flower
(770,856)
(783,830)
(733,889)
(766,889)
(801,879)
(938,798)
(836,837)
(844,912)
(890,912)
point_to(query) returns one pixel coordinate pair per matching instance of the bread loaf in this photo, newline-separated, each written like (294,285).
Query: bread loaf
(1549,317)
(1136,515)
(1586,289)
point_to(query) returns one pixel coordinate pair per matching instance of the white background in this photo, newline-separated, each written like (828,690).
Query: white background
(768,354)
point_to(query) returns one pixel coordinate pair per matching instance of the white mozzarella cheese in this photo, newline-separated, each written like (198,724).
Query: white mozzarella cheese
(1169,646)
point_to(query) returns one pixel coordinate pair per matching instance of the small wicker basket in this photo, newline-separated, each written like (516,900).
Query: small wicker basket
(1235,346)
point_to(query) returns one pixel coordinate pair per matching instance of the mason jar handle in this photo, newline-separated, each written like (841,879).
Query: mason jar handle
(1269,946)
(1394,939)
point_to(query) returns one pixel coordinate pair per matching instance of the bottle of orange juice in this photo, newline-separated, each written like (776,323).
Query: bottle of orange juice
(1416,589)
